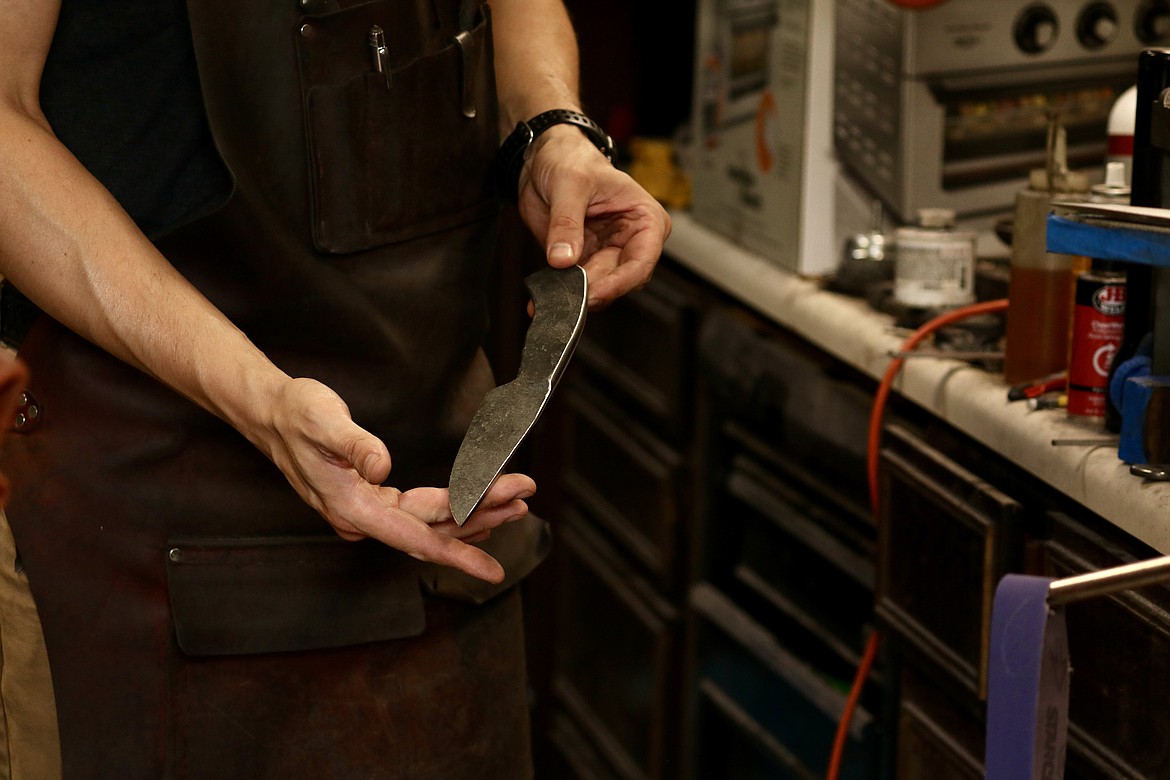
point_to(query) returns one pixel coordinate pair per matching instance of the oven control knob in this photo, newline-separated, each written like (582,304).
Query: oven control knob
(1036,29)
(1097,25)
(1153,22)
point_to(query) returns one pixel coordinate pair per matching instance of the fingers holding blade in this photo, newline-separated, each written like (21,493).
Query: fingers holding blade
(503,503)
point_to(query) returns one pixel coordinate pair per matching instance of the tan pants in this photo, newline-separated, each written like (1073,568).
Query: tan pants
(29,748)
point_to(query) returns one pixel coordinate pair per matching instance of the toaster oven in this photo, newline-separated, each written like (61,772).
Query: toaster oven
(949,106)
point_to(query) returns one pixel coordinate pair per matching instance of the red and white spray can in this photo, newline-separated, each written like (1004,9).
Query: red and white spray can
(1097,329)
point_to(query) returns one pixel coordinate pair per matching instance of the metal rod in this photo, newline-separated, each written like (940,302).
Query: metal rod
(1108,581)
(956,354)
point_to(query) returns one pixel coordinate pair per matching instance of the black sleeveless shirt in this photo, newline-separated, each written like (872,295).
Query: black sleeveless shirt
(121,91)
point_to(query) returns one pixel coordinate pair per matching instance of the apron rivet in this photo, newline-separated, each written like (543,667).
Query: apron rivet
(306,30)
(28,413)
(176,555)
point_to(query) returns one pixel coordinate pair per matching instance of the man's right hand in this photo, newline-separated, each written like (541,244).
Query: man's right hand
(338,468)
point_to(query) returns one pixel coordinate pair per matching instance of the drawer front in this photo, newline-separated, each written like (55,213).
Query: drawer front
(642,346)
(627,480)
(572,756)
(926,752)
(1119,648)
(735,747)
(806,408)
(752,690)
(946,538)
(615,667)
(937,740)
(774,549)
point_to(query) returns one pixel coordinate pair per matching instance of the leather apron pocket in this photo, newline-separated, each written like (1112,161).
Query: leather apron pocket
(400,143)
(272,594)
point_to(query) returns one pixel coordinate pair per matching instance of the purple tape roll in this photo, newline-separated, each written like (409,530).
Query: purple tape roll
(1027,693)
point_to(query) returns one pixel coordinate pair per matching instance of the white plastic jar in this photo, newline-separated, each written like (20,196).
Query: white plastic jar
(934,264)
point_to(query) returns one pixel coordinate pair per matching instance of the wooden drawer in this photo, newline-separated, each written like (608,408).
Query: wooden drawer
(778,552)
(573,757)
(642,346)
(733,744)
(775,392)
(762,711)
(615,671)
(1119,648)
(627,479)
(945,538)
(937,740)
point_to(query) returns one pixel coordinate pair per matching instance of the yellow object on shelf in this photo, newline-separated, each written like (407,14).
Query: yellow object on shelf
(653,166)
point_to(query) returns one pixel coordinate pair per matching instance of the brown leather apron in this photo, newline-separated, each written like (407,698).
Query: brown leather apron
(201,621)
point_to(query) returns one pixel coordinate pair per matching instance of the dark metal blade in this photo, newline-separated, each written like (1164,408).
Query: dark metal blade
(508,412)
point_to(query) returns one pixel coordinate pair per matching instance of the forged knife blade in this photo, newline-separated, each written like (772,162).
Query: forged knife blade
(508,412)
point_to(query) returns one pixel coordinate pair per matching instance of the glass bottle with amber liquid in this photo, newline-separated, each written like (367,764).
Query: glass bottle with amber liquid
(1040,287)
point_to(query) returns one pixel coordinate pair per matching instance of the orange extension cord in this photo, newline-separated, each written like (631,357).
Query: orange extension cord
(872,451)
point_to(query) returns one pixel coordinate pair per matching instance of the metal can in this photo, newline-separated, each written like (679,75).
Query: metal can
(1097,330)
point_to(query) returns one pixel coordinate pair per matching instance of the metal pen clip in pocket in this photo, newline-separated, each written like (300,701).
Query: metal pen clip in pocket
(466,72)
(379,52)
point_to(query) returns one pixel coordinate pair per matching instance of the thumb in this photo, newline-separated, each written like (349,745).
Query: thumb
(368,455)
(566,225)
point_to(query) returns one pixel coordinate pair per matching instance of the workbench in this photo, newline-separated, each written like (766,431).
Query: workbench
(967,397)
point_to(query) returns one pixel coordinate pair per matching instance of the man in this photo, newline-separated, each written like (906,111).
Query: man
(269,222)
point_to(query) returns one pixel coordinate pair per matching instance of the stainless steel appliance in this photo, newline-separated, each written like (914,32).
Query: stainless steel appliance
(948,106)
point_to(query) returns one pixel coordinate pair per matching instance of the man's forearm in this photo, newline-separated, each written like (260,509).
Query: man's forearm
(70,247)
(536,59)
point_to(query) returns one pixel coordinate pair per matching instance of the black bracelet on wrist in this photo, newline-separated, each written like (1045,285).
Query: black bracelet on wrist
(510,157)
